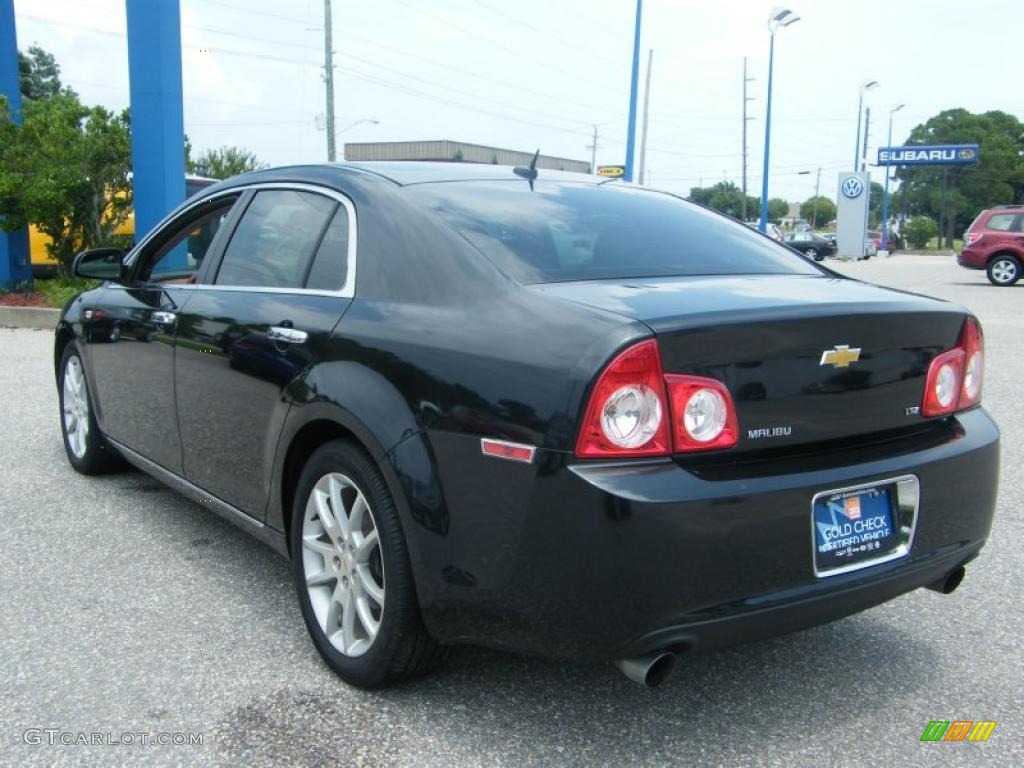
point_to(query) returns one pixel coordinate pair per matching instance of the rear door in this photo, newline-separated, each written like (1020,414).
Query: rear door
(255,325)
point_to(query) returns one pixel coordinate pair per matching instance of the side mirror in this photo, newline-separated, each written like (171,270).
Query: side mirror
(99,264)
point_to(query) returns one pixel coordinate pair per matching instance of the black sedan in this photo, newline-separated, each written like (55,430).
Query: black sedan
(810,245)
(545,413)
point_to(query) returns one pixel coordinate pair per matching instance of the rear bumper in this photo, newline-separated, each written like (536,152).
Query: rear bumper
(599,561)
(971,258)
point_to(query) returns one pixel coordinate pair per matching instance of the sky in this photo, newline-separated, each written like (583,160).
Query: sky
(542,73)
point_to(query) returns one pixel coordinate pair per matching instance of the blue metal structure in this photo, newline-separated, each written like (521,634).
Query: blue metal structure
(14,256)
(633,86)
(158,132)
(763,222)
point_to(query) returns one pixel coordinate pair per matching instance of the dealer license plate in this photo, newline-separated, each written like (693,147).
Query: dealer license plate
(853,527)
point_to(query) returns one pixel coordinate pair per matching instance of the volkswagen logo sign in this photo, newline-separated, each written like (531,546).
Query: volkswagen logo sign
(852,187)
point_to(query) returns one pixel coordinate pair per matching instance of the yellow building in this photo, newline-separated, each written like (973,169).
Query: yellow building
(44,265)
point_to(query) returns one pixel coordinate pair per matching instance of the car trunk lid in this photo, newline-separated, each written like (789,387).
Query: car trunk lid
(806,359)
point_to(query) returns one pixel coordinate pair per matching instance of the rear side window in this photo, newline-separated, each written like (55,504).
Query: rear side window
(564,232)
(330,265)
(275,240)
(1002,222)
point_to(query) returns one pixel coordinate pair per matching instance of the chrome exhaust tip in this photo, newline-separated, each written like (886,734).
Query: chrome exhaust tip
(948,583)
(650,670)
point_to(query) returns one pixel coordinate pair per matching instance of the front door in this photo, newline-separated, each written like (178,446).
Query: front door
(131,333)
(256,324)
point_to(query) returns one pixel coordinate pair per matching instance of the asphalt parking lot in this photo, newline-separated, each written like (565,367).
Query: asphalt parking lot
(128,609)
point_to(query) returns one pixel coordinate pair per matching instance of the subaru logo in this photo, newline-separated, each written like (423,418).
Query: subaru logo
(852,187)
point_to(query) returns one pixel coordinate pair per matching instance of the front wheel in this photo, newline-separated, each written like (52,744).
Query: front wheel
(87,450)
(1004,270)
(812,253)
(352,571)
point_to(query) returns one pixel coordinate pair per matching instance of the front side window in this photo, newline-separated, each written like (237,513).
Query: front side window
(564,232)
(178,259)
(275,239)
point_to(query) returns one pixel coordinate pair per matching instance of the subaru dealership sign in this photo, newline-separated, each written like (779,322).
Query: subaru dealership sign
(936,154)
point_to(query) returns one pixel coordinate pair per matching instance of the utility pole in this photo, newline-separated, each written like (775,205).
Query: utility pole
(647,104)
(746,98)
(593,152)
(867,130)
(329,80)
(817,191)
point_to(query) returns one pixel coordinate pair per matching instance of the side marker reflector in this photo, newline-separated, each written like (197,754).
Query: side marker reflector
(501,449)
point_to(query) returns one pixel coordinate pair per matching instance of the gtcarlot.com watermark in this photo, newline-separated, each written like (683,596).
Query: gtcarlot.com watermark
(64,738)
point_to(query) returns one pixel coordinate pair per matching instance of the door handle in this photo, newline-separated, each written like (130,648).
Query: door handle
(286,335)
(164,318)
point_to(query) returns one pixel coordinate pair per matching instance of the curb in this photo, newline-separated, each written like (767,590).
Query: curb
(29,317)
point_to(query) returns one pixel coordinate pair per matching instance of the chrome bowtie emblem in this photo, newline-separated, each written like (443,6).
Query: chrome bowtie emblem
(840,357)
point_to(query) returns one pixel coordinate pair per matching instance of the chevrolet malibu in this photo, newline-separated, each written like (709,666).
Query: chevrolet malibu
(533,411)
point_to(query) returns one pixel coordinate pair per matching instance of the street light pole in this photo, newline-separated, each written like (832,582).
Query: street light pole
(633,85)
(867,85)
(779,17)
(885,193)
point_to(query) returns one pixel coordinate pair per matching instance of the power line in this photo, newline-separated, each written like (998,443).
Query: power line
(561,40)
(545,65)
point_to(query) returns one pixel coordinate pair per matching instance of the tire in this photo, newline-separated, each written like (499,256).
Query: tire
(1003,270)
(339,574)
(87,450)
(812,253)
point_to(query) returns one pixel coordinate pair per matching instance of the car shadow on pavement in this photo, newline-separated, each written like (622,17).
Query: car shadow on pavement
(480,704)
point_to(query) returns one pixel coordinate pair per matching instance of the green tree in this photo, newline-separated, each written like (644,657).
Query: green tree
(39,74)
(919,230)
(875,205)
(65,169)
(221,163)
(818,210)
(998,177)
(777,208)
(725,197)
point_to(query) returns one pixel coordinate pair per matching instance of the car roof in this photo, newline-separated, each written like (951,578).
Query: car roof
(405,172)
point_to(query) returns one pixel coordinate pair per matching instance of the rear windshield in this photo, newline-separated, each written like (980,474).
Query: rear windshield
(563,232)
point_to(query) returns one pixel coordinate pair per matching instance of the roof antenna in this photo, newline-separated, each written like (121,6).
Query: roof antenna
(528,173)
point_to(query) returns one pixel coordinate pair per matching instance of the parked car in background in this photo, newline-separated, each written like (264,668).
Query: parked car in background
(875,236)
(869,248)
(771,230)
(562,417)
(810,245)
(995,242)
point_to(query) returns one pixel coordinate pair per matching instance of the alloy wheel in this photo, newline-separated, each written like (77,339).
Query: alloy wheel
(342,564)
(76,407)
(1004,271)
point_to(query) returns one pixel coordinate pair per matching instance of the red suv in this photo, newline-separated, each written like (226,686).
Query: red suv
(995,243)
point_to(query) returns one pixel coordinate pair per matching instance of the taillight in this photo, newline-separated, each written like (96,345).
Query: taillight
(973,343)
(633,405)
(626,415)
(703,415)
(971,238)
(955,376)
